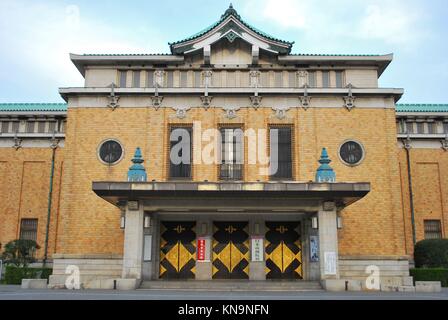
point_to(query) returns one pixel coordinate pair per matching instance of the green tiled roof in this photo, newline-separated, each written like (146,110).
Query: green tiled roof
(125,54)
(422,108)
(17,107)
(332,55)
(231,12)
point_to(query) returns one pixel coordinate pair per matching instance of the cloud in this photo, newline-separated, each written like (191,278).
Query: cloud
(394,22)
(39,37)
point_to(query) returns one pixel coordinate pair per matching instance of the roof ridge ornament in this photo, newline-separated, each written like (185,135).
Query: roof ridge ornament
(113,99)
(230,12)
(137,172)
(325,173)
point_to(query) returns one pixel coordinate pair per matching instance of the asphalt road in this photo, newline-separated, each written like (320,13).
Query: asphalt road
(16,293)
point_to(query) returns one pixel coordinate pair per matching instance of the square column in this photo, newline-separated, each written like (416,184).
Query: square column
(133,241)
(328,241)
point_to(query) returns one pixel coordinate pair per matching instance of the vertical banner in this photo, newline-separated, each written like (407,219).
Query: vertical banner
(257,249)
(201,249)
(314,248)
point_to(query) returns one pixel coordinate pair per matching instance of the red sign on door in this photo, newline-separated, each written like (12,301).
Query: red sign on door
(201,249)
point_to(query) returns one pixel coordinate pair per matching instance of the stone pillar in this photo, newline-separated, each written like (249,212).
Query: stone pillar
(133,242)
(204,268)
(328,241)
(257,270)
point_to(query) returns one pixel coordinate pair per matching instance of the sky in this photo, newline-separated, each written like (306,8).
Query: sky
(36,37)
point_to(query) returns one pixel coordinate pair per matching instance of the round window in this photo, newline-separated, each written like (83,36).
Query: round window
(110,152)
(351,152)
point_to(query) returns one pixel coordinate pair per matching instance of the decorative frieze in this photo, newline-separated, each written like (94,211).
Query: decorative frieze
(445,143)
(255,101)
(305,100)
(206,101)
(349,101)
(113,99)
(181,112)
(280,112)
(230,111)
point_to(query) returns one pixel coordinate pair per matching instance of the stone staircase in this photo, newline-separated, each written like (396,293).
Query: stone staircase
(232,285)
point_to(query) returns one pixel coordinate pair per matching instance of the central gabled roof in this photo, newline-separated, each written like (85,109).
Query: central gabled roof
(231,26)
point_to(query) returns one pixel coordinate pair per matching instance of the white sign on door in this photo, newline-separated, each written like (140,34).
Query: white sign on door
(257,249)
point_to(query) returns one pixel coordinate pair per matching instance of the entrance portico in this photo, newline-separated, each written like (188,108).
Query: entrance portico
(167,224)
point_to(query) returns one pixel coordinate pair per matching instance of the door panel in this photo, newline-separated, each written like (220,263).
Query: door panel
(283,250)
(231,250)
(177,250)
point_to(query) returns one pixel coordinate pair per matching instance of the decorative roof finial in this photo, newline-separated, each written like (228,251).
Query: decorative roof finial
(137,172)
(230,11)
(325,173)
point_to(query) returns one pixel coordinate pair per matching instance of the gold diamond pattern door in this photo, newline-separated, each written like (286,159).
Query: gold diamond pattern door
(283,250)
(231,250)
(177,250)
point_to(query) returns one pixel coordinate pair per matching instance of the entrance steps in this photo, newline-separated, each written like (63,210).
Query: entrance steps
(232,285)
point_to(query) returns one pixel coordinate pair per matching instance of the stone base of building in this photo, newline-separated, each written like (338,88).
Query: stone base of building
(355,274)
(95,271)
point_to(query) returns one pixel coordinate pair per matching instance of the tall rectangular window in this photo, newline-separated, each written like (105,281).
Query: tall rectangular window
(445,127)
(181,152)
(183,79)
(264,79)
(30,125)
(339,79)
(433,229)
(231,79)
(41,126)
(420,128)
(123,79)
(232,150)
(51,126)
(197,79)
(28,229)
(136,79)
(431,127)
(170,79)
(15,126)
(279,79)
(281,163)
(409,127)
(312,79)
(150,79)
(292,79)
(5,126)
(325,79)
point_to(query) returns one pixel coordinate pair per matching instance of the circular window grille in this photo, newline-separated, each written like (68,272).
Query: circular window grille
(351,152)
(110,152)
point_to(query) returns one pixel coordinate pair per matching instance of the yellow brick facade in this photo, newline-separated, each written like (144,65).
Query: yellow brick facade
(24,190)
(83,223)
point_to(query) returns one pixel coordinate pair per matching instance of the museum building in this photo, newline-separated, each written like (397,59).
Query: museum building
(358,178)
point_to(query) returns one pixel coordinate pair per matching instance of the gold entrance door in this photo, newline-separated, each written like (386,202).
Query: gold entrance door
(231,250)
(283,250)
(177,250)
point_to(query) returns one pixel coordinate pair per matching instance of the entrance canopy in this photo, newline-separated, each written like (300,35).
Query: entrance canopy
(231,196)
